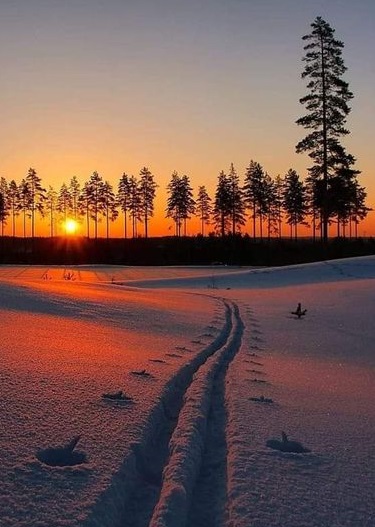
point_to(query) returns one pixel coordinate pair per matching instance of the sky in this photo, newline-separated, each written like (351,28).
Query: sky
(116,85)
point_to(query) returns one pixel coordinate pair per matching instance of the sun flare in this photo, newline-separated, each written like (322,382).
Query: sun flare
(71,226)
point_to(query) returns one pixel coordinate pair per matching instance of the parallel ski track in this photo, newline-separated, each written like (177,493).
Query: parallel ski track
(155,484)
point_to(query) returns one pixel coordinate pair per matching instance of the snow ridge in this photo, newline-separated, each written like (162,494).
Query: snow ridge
(187,444)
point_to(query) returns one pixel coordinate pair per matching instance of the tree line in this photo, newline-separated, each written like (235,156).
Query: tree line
(329,194)
(267,203)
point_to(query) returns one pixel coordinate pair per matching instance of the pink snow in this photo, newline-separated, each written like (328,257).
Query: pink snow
(67,342)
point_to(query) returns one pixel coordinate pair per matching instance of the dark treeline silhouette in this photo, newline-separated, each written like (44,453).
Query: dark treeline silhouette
(190,250)
(259,205)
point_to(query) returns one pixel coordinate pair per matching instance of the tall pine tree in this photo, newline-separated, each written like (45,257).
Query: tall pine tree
(327,108)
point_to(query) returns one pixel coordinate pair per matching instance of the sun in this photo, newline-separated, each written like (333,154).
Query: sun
(70,226)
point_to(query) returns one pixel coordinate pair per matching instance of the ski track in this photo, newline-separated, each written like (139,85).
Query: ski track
(157,484)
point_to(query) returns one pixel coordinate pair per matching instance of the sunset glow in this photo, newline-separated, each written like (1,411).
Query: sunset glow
(71,226)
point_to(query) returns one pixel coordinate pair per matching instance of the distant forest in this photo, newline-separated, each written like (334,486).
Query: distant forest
(330,194)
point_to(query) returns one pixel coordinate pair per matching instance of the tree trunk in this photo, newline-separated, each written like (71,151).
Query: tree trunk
(325,152)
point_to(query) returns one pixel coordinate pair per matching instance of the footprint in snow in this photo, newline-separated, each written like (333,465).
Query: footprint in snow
(62,456)
(285,445)
(141,373)
(119,396)
(160,361)
(261,399)
(259,380)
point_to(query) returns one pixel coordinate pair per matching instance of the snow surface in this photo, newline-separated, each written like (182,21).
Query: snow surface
(189,446)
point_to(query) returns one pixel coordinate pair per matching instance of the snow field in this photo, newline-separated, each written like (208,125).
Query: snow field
(190,447)
(319,372)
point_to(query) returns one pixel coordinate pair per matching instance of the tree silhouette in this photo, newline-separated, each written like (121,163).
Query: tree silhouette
(51,207)
(203,207)
(4,203)
(134,206)
(236,200)
(74,191)
(24,200)
(64,203)
(277,204)
(255,194)
(295,204)
(123,198)
(271,205)
(13,199)
(84,205)
(3,212)
(180,203)
(147,190)
(95,199)
(36,197)
(109,205)
(327,108)
(222,206)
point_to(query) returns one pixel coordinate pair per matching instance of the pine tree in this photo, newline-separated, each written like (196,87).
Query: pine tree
(3,212)
(123,198)
(51,207)
(135,209)
(180,203)
(327,109)
(174,201)
(4,203)
(203,207)
(84,205)
(109,205)
(359,209)
(64,203)
(13,199)
(272,205)
(222,206)
(37,197)
(236,200)
(255,194)
(74,191)
(277,205)
(295,204)
(147,190)
(24,203)
(95,196)
(187,207)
